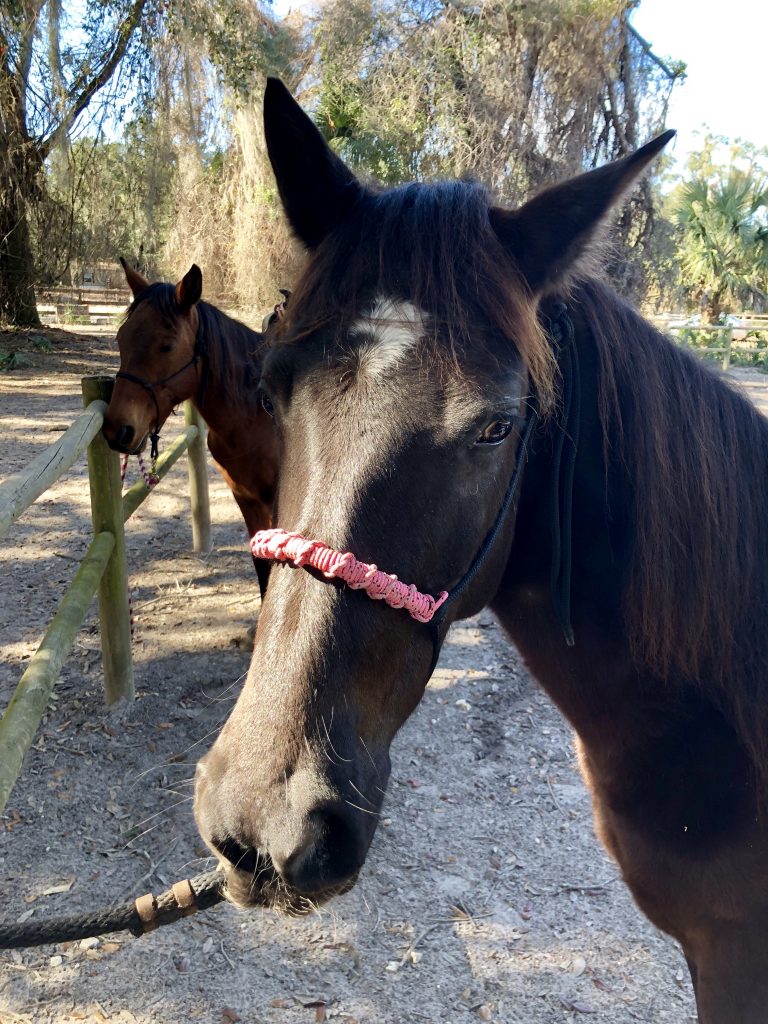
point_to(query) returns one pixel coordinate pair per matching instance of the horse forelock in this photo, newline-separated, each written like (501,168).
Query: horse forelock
(160,296)
(695,452)
(431,246)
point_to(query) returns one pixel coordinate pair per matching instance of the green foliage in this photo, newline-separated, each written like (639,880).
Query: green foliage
(721,210)
(240,39)
(518,94)
(12,360)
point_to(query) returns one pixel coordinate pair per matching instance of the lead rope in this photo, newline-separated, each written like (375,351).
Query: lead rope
(139,916)
(151,479)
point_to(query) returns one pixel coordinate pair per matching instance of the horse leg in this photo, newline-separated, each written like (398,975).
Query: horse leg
(253,490)
(715,905)
(262,572)
(729,969)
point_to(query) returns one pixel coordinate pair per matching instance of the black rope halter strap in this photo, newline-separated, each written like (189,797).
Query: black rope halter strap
(560,331)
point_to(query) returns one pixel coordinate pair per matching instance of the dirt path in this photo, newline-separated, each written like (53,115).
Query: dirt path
(485,896)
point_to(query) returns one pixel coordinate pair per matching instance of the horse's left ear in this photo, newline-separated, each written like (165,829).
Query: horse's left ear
(549,234)
(190,288)
(317,189)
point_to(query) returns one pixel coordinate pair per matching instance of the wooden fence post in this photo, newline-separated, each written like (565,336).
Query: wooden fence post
(107,512)
(198,482)
(728,339)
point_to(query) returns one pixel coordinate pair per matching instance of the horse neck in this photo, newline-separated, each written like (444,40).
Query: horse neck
(598,669)
(221,405)
(584,563)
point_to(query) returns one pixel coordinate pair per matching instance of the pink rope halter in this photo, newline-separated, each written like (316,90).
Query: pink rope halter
(281,546)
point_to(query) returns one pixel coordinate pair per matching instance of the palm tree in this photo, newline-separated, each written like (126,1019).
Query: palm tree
(723,249)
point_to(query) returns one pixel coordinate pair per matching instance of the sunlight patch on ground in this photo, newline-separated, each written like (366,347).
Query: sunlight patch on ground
(465,636)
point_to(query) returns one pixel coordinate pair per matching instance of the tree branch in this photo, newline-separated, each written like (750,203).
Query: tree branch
(672,74)
(82,94)
(26,44)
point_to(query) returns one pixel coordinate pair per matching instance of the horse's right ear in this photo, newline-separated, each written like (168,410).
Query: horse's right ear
(136,282)
(549,234)
(316,188)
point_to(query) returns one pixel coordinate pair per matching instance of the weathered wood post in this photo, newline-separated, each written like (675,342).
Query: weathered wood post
(728,340)
(107,512)
(198,482)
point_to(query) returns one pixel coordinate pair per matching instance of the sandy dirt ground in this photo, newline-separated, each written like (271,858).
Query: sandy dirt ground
(485,896)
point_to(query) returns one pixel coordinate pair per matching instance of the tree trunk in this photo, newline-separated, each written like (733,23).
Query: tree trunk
(20,165)
(713,308)
(17,270)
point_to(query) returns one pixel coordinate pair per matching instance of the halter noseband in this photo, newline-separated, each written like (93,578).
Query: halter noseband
(198,355)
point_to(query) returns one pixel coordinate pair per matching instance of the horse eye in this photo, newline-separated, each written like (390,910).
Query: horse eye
(495,432)
(166,348)
(266,404)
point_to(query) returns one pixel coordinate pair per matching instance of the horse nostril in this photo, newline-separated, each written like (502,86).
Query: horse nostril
(244,858)
(124,436)
(330,855)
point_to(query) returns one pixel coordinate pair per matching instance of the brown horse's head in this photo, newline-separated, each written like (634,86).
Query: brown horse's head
(159,364)
(399,381)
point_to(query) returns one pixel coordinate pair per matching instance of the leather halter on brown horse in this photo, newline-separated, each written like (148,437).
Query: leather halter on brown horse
(173,347)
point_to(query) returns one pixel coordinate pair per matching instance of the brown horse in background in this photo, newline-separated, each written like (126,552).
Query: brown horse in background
(172,347)
(458,404)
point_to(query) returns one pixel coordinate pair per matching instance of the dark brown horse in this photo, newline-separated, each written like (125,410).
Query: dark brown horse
(174,347)
(460,404)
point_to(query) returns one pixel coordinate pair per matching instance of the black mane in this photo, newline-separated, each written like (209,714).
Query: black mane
(695,450)
(434,245)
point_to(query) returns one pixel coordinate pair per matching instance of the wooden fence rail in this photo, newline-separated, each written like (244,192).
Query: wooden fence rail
(102,568)
(30,699)
(726,337)
(19,491)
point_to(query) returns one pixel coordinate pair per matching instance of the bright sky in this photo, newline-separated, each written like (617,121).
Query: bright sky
(723,43)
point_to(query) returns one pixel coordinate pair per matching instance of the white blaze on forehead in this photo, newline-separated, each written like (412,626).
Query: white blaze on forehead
(393,327)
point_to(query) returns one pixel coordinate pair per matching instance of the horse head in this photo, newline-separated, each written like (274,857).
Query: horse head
(401,381)
(159,358)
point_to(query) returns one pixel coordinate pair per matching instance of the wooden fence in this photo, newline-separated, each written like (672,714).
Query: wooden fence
(102,569)
(726,342)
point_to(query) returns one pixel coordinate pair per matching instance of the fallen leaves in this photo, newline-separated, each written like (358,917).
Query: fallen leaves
(12,820)
(51,890)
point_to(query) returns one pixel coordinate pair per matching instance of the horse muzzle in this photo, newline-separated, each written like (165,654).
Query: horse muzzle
(293,856)
(124,439)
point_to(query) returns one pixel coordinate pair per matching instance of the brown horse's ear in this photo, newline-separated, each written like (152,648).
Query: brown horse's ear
(316,188)
(190,288)
(548,235)
(136,282)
